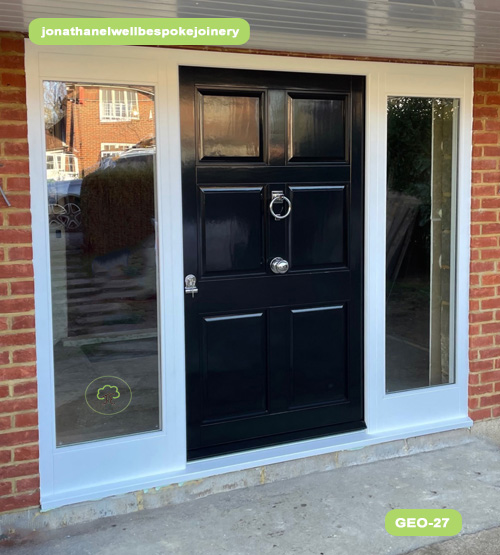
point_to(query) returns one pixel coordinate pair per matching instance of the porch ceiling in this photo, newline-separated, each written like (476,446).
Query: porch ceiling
(444,30)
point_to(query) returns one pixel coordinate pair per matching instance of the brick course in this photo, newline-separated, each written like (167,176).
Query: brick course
(19,481)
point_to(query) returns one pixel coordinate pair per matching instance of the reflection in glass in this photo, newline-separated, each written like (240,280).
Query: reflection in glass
(231,126)
(100,151)
(421,173)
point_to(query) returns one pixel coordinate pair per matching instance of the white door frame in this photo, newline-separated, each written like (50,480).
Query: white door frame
(109,467)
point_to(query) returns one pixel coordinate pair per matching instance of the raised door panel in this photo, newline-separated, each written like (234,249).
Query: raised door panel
(318,356)
(235,367)
(232,230)
(318,227)
(317,127)
(230,126)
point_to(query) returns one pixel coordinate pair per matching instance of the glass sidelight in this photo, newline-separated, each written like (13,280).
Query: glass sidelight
(422,144)
(100,155)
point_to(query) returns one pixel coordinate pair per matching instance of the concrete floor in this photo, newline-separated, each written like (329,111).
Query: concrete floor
(336,512)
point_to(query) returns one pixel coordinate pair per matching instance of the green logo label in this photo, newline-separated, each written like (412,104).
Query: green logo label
(423,522)
(153,31)
(108,395)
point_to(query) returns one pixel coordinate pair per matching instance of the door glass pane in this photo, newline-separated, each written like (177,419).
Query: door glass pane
(231,126)
(421,179)
(101,218)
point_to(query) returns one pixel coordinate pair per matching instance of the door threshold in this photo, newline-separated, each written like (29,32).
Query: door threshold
(309,448)
(258,444)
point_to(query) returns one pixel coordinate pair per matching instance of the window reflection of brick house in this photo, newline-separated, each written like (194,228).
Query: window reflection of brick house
(61,164)
(101,122)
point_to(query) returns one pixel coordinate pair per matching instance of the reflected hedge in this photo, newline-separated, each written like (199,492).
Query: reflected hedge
(118,207)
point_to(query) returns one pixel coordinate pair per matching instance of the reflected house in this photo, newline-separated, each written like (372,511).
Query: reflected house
(61,163)
(87,127)
(98,123)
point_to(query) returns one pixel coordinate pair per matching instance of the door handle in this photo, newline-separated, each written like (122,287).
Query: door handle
(279,265)
(278,197)
(190,285)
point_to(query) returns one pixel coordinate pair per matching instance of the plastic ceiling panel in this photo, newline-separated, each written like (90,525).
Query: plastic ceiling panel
(441,30)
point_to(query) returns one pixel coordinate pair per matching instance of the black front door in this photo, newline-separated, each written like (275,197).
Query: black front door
(272,357)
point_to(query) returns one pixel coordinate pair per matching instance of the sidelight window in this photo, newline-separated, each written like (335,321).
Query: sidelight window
(102,229)
(422,143)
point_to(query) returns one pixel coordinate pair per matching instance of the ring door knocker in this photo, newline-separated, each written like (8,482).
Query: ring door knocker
(278,197)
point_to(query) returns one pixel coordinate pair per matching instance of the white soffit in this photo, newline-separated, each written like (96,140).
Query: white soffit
(441,30)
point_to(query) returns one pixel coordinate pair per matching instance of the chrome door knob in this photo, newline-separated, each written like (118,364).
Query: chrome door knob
(279,265)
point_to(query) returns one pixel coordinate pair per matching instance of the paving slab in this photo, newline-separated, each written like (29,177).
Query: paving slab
(340,511)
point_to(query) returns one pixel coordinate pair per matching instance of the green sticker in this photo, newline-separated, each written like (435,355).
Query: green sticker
(423,522)
(139,31)
(108,395)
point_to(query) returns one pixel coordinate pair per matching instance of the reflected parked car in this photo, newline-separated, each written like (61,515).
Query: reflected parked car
(64,196)
(64,204)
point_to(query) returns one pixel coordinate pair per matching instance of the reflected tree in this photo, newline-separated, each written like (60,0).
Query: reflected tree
(54,93)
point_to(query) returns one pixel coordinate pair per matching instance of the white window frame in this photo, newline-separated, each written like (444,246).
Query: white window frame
(60,161)
(107,153)
(128,106)
(109,467)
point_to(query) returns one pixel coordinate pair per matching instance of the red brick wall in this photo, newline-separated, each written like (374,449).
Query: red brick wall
(484,389)
(19,480)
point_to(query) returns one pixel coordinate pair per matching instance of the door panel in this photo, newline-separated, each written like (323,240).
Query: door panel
(234,365)
(316,127)
(232,227)
(319,213)
(319,361)
(230,125)
(272,357)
